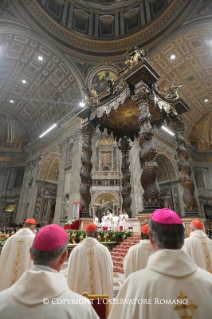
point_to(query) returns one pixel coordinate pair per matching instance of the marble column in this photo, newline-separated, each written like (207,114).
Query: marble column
(65,12)
(71,14)
(96,30)
(126,186)
(142,17)
(61,179)
(122,22)
(116,23)
(90,23)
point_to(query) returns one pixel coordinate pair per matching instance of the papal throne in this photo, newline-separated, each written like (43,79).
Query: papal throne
(100,303)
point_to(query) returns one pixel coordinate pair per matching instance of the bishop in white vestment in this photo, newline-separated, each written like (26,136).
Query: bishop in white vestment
(121,219)
(90,267)
(171,286)
(137,256)
(15,257)
(109,220)
(199,247)
(42,292)
(126,217)
(96,221)
(115,223)
(104,222)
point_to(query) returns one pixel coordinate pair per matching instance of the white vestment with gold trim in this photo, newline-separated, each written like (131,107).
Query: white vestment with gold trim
(171,286)
(137,257)
(199,247)
(15,257)
(90,268)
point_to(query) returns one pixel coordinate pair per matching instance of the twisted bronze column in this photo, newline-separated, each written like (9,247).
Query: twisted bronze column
(148,152)
(184,168)
(85,174)
(125,147)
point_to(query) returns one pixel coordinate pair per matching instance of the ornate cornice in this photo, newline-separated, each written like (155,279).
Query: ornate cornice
(104,47)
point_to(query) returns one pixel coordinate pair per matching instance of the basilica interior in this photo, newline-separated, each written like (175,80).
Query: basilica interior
(54,51)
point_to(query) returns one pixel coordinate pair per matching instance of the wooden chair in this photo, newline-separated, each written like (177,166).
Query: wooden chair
(100,303)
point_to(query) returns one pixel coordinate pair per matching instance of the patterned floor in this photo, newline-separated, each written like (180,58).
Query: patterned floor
(118,279)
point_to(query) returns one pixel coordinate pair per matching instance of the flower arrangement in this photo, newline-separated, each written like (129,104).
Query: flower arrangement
(71,221)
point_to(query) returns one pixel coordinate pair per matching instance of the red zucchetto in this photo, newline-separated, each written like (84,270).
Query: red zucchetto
(166,216)
(145,229)
(90,228)
(30,221)
(50,237)
(197,224)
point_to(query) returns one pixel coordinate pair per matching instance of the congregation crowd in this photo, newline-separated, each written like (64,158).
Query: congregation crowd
(166,275)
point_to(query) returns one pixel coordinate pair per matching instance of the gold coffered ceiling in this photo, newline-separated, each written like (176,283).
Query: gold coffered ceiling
(192,68)
(51,89)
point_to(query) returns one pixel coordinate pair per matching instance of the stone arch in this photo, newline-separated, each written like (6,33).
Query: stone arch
(166,171)
(106,196)
(50,168)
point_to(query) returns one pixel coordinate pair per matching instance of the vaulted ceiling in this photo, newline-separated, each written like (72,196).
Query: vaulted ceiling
(45,64)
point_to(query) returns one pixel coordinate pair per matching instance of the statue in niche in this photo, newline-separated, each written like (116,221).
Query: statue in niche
(65,207)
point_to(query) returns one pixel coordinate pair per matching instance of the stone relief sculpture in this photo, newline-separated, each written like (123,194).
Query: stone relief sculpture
(65,207)
(106,206)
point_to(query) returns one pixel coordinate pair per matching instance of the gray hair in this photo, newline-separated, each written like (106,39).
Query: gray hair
(167,236)
(47,258)
(92,234)
(194,228)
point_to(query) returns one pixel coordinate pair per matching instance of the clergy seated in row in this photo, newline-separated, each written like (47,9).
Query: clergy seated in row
(42,292)
(90,267)
(171,286)
(15,258)
(137,256)
(198,246)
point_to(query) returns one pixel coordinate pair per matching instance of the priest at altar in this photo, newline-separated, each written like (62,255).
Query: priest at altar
(109,220)
(90,267)
(15,258)
(121,221)
(137,256)
(171,285)
(126,217)
(198,246)
(42,292)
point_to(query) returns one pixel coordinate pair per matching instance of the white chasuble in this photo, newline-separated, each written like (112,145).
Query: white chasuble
(90,268)
(109,220)
(137,257)
(171,286)
(43,293)
(121,219)
(199,247)
(15,257)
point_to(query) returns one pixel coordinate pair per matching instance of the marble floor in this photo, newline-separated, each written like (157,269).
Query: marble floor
(118,279)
